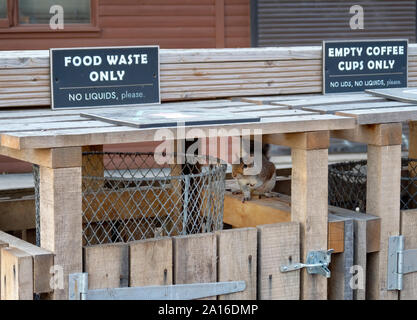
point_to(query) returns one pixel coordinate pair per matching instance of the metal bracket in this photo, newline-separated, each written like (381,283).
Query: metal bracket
(78,290)
(400,262)
(317,263)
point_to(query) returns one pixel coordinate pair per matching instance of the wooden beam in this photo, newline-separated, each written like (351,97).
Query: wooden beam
(237,260)
(16,274)
(107,265)
(43,260)
(268,211)
(386,134)
(306,140)
(309,208)
(151,262)
(278,244)
(383,200)
(51,158)
(61,220)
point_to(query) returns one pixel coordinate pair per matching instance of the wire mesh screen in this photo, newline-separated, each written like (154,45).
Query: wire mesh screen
(127,197)
(347,184)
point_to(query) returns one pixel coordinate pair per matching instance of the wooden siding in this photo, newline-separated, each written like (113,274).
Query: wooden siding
(289,22)
(168,23)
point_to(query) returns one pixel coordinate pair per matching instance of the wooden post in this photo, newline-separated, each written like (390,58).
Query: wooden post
(16,274)
(309,204)
(383,200)
(61,220)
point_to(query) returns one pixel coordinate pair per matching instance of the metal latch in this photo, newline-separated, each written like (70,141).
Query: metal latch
(78,290)
(317,263)
(400,262)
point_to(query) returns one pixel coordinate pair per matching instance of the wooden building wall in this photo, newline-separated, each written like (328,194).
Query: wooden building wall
(309,22)
(169,23)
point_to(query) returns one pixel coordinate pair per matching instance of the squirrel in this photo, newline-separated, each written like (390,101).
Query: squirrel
(260,184)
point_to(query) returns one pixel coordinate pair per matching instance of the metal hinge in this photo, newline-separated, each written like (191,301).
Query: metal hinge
(78,290)
(400,262)
(317,263)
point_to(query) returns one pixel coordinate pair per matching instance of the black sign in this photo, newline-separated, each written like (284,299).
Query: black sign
(356,66)
(92,77)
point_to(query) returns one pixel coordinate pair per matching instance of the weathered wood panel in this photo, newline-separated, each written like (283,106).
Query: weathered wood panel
(107,265)
(16,275)
(195,259)
(151,262)
(278,244)
(237,260)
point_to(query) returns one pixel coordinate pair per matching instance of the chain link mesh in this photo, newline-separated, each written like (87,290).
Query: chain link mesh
(127,197)
(347,184)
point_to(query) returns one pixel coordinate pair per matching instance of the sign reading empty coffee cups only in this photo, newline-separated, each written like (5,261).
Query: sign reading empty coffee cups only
(111,76)
(350,66)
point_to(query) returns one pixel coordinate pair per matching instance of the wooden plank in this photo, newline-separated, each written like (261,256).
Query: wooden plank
(17,214)
(16,275)
(195,259)
(51,158)
(307,140)
(372,226)
(237,260)
(268,99)
(270,113)
(335,237)
(378,134)
(367,230)
(151,262)
(278,244)
(43,260)
(309,208)
(339,287)
(61,220)
(268,211)
(53,126)
(254,212)
(408,230)
(378,115)
(356,106)
(119,134)
(107,265)
(383,200)
(323,100)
